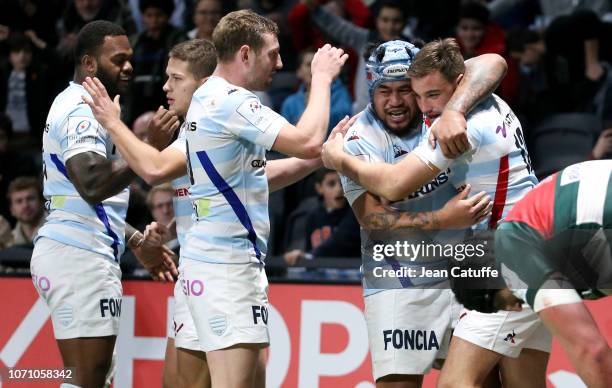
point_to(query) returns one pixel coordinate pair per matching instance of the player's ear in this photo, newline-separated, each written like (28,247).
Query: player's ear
(458,80)
(89,64)
(243,53)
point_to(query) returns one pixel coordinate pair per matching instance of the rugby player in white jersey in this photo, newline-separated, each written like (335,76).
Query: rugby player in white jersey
(189,65)
(386,131)
(75,263)
(497,163)
(228,132)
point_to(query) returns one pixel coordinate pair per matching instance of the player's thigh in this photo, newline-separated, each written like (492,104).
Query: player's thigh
(170,376)
(467,364)
(90,357)
(193,369)
(582,331)
(526,371)
(234,367)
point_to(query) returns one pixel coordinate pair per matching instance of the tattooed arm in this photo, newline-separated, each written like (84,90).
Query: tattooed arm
(482,76)
(457,213)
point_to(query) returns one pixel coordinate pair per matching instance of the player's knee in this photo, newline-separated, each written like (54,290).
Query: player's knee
(593,353)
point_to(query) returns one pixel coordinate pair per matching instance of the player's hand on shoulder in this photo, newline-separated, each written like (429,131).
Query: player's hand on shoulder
(461,212)
(327,62)
(450,131)
(333,151)
(343,126)
(162,127)
(105,110)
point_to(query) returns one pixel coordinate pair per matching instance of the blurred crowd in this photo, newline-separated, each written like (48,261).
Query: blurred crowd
(559,84)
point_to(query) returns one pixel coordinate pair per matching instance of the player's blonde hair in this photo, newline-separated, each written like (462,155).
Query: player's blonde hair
(443,55)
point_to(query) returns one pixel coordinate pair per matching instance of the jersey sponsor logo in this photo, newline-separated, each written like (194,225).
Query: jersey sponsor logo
(510,337)
(396,71)
(181,192)
(258,163)
(259,116)
(260,313)
(111,306)
(411,339)
(82,127)
(231,91)
(177,328)
(509,119)
(353,136)
(254,106)
(193,287)
(501,129)
(47,127)
(398,151)
(190,125)
(218,324)
(433,185)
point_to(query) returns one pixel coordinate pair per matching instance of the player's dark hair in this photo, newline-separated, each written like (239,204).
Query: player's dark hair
(379,5)
(474,10)
(91,37)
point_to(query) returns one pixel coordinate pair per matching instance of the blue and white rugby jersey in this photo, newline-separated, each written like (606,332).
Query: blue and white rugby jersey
(498,161)
(72,129)
(183,210)
(370,141)
(228,132)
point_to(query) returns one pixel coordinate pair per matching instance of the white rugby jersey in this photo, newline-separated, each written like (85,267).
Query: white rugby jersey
(498,161)
(71,129)
(180,201)
(228,132)
(368,140)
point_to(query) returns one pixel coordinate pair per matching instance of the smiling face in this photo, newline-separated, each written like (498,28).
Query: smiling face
(432,92)
(330,189)
(114,68)
(395,105)
(262,65)
(180,86)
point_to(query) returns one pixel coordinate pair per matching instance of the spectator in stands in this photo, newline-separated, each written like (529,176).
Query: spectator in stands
(476,34)
(27,206)
(331,228)
(294,105)
(390,20)
(576,44)
(525,58)
(206,15)
(603,146)
(31,18)
(80,12)
(151,48)
(12,164)
(26,91)
(159,201)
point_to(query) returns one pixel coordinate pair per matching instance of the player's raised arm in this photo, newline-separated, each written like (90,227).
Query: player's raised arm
(148,162)
(305,139)
(284,172)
